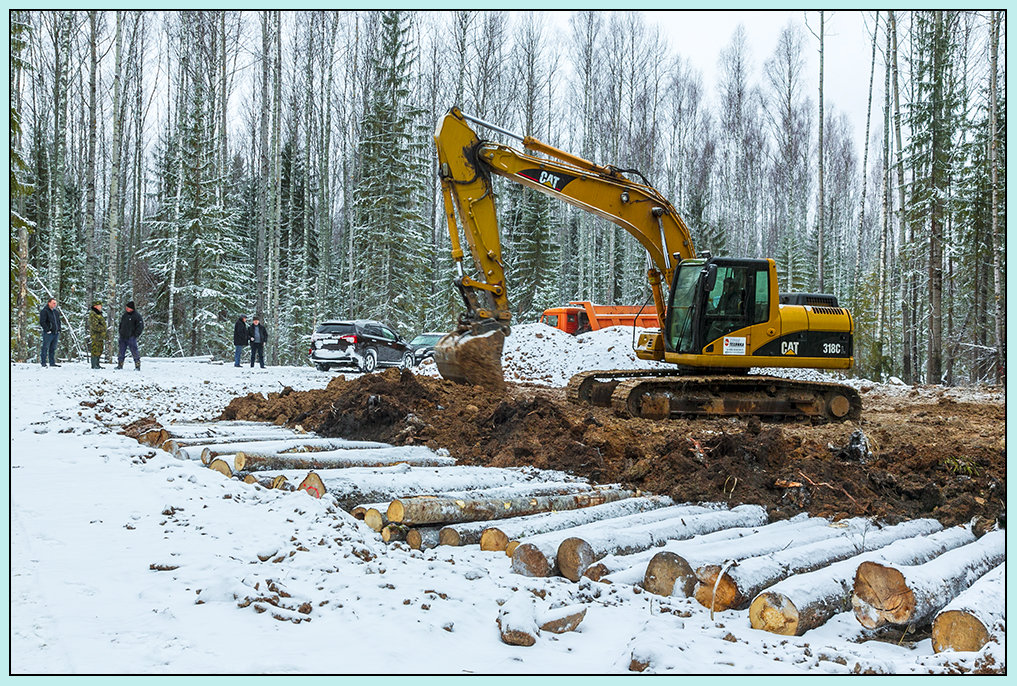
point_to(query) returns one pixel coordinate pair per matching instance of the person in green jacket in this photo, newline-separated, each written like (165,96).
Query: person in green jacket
(96,333)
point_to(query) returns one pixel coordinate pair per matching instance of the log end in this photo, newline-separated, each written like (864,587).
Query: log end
(449,536)
(395,511)
(250,479)
(221,467)
(413,539)
(669,574)
(574,557)
(959,631)
(510,547)
(881,595)
(774,612)
(493,539)
(726,595)
(206,456)
(239,460)
(374,519)
(529,561)
(393,532)
(358,512)
(312,484)
(278,482)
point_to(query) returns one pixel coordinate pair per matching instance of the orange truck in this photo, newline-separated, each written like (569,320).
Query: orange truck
(581,316)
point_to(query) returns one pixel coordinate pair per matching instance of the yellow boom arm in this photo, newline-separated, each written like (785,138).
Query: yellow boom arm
(465,167)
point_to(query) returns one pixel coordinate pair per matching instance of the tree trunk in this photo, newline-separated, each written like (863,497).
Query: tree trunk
(913,594)
(997,272)
(740,583)
(938,182)
(806,601)
(450,511)
(261,248)
(974,617)
(908,317)
(577,553)
(865,168)
(821,208)
(90,225)
(498,538)
(114,185)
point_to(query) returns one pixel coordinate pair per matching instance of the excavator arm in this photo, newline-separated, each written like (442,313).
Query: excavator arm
(472,354)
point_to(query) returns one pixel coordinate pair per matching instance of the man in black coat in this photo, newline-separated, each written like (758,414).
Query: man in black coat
(131,326)
(239,339)
(257,335)
(49,320)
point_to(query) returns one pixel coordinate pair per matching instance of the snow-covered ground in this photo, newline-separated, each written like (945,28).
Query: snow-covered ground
(126,560)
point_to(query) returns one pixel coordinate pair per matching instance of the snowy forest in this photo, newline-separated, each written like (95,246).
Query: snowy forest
(207,164)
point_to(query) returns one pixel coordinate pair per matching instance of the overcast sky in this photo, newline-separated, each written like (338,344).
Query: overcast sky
(699,37)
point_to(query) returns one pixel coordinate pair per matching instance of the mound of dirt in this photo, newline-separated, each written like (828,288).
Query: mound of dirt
(906,457)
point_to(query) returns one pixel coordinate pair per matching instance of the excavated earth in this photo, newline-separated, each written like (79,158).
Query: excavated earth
(925,452)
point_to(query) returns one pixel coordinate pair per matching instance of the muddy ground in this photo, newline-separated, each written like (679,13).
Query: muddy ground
(929,453)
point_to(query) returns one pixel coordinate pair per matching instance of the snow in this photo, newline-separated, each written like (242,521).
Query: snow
(124,559)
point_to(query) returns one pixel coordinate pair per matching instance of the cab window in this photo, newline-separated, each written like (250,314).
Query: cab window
(761,309)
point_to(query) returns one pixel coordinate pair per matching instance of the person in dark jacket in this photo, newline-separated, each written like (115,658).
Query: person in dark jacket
(96,333)
(131,326)
(257,335)
(49,320)
(239,339)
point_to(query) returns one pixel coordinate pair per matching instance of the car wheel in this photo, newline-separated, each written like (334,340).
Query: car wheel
(407,361)
(370,362)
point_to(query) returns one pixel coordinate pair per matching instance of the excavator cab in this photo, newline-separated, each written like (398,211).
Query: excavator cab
(711,299)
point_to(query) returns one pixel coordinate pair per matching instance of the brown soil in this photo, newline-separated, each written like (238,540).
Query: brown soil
(929,454)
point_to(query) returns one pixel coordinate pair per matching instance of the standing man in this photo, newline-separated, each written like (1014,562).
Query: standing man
(239,339)
(131,326)
(49,320)
(96,333)
(257,335)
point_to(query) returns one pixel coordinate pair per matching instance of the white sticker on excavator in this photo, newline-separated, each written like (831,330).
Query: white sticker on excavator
(734,345)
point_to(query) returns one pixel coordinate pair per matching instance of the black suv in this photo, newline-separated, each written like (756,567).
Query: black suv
(423,346)
(362,344)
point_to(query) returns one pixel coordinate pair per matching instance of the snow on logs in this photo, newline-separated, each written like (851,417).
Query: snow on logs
(672,571)
(520,621)
(577,553)
(422,537)
(913,594)
(974,617)
(736,583)
(425,510)
(498,538)
(805,601)
(265,458)
(538,555)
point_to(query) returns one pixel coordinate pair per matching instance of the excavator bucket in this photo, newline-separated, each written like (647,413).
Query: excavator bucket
(472,355)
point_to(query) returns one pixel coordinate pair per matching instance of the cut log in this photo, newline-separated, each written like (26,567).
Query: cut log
(156,438)
(390,533)
(375,519)
(220,466)
(538,555)
(633,569)
(287,446)
(451,511)
(357,485)
(499,537)
(742,582)
(171,445)
(511,547)
(312,485)
(261,459)
(562,619)
(360,511)
(913,594)
(422,537)
(517,620)
(973,617)
(805,601)
(577,553)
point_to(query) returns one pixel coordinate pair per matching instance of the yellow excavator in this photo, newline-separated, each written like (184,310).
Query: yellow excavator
(718,316)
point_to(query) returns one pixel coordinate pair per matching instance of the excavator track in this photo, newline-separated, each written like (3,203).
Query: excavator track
(652,394)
